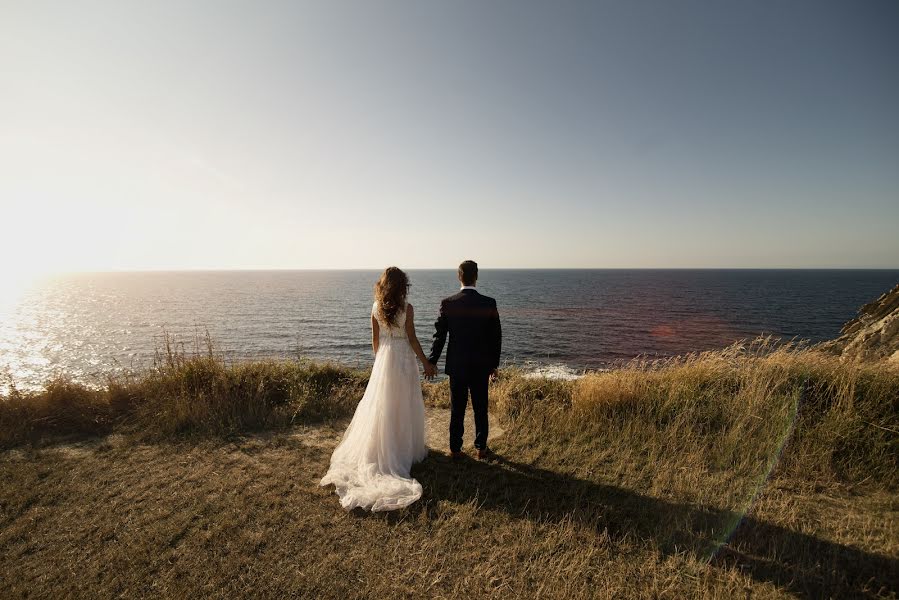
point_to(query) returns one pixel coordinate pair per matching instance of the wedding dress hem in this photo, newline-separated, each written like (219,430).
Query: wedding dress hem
(370,467)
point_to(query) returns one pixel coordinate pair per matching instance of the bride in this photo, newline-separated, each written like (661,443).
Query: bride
(370,467)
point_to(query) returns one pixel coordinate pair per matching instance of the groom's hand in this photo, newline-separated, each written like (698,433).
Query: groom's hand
(494,374)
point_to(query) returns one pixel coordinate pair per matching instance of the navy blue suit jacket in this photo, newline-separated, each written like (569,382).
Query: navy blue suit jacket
(471,321)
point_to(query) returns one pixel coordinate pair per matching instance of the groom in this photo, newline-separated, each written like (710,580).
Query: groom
(475,340)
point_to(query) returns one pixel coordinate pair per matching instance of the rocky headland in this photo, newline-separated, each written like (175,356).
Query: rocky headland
(873,334)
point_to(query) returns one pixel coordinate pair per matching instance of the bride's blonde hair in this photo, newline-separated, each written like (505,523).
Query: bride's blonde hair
(390,292)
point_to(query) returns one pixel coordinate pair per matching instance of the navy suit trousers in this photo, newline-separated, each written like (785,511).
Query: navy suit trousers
(460,387)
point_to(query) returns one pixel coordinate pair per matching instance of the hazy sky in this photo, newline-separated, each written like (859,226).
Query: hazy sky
(522,134)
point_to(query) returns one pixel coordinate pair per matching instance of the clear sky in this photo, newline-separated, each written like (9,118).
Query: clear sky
(333,134)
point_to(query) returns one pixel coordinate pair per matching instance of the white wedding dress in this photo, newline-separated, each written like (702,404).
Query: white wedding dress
(370,467)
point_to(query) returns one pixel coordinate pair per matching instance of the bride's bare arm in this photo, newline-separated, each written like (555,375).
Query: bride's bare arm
(413,339)
(374,334)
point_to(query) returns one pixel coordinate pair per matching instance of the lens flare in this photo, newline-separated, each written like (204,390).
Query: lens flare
(739,515)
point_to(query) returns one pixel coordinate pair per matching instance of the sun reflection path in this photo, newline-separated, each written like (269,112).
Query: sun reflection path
(21,355)
(14,287)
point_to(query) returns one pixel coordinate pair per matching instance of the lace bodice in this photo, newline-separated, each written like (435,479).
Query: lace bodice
(393,330)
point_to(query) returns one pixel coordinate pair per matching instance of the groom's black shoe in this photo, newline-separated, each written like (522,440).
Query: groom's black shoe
(456,455)
(485,454)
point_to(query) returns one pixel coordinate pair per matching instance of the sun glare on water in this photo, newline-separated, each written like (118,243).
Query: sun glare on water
(20,350)
(13,288)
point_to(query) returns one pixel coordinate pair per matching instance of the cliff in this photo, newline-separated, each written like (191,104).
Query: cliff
(873,334)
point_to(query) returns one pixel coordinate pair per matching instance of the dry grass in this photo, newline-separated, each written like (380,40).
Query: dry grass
(184,395)
(762,471)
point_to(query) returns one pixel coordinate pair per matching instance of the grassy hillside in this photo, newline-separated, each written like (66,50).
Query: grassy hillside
(761,470)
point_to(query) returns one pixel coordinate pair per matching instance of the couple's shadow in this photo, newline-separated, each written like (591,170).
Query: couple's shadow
(798,562)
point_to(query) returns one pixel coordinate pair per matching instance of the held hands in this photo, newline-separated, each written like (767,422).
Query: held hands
(430,370)
(494,375)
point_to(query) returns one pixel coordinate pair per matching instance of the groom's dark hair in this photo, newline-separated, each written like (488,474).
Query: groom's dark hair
(468,272)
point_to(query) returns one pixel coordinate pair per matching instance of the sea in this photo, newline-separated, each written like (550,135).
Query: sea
(559,323)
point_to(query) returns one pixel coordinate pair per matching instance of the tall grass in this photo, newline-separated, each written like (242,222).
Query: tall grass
(730,414)
(184,393)
(740,412)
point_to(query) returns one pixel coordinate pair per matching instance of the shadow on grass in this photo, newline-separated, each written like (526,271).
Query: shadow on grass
(800,563)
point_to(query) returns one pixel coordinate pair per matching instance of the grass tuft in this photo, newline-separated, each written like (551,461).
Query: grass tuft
(184,394)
